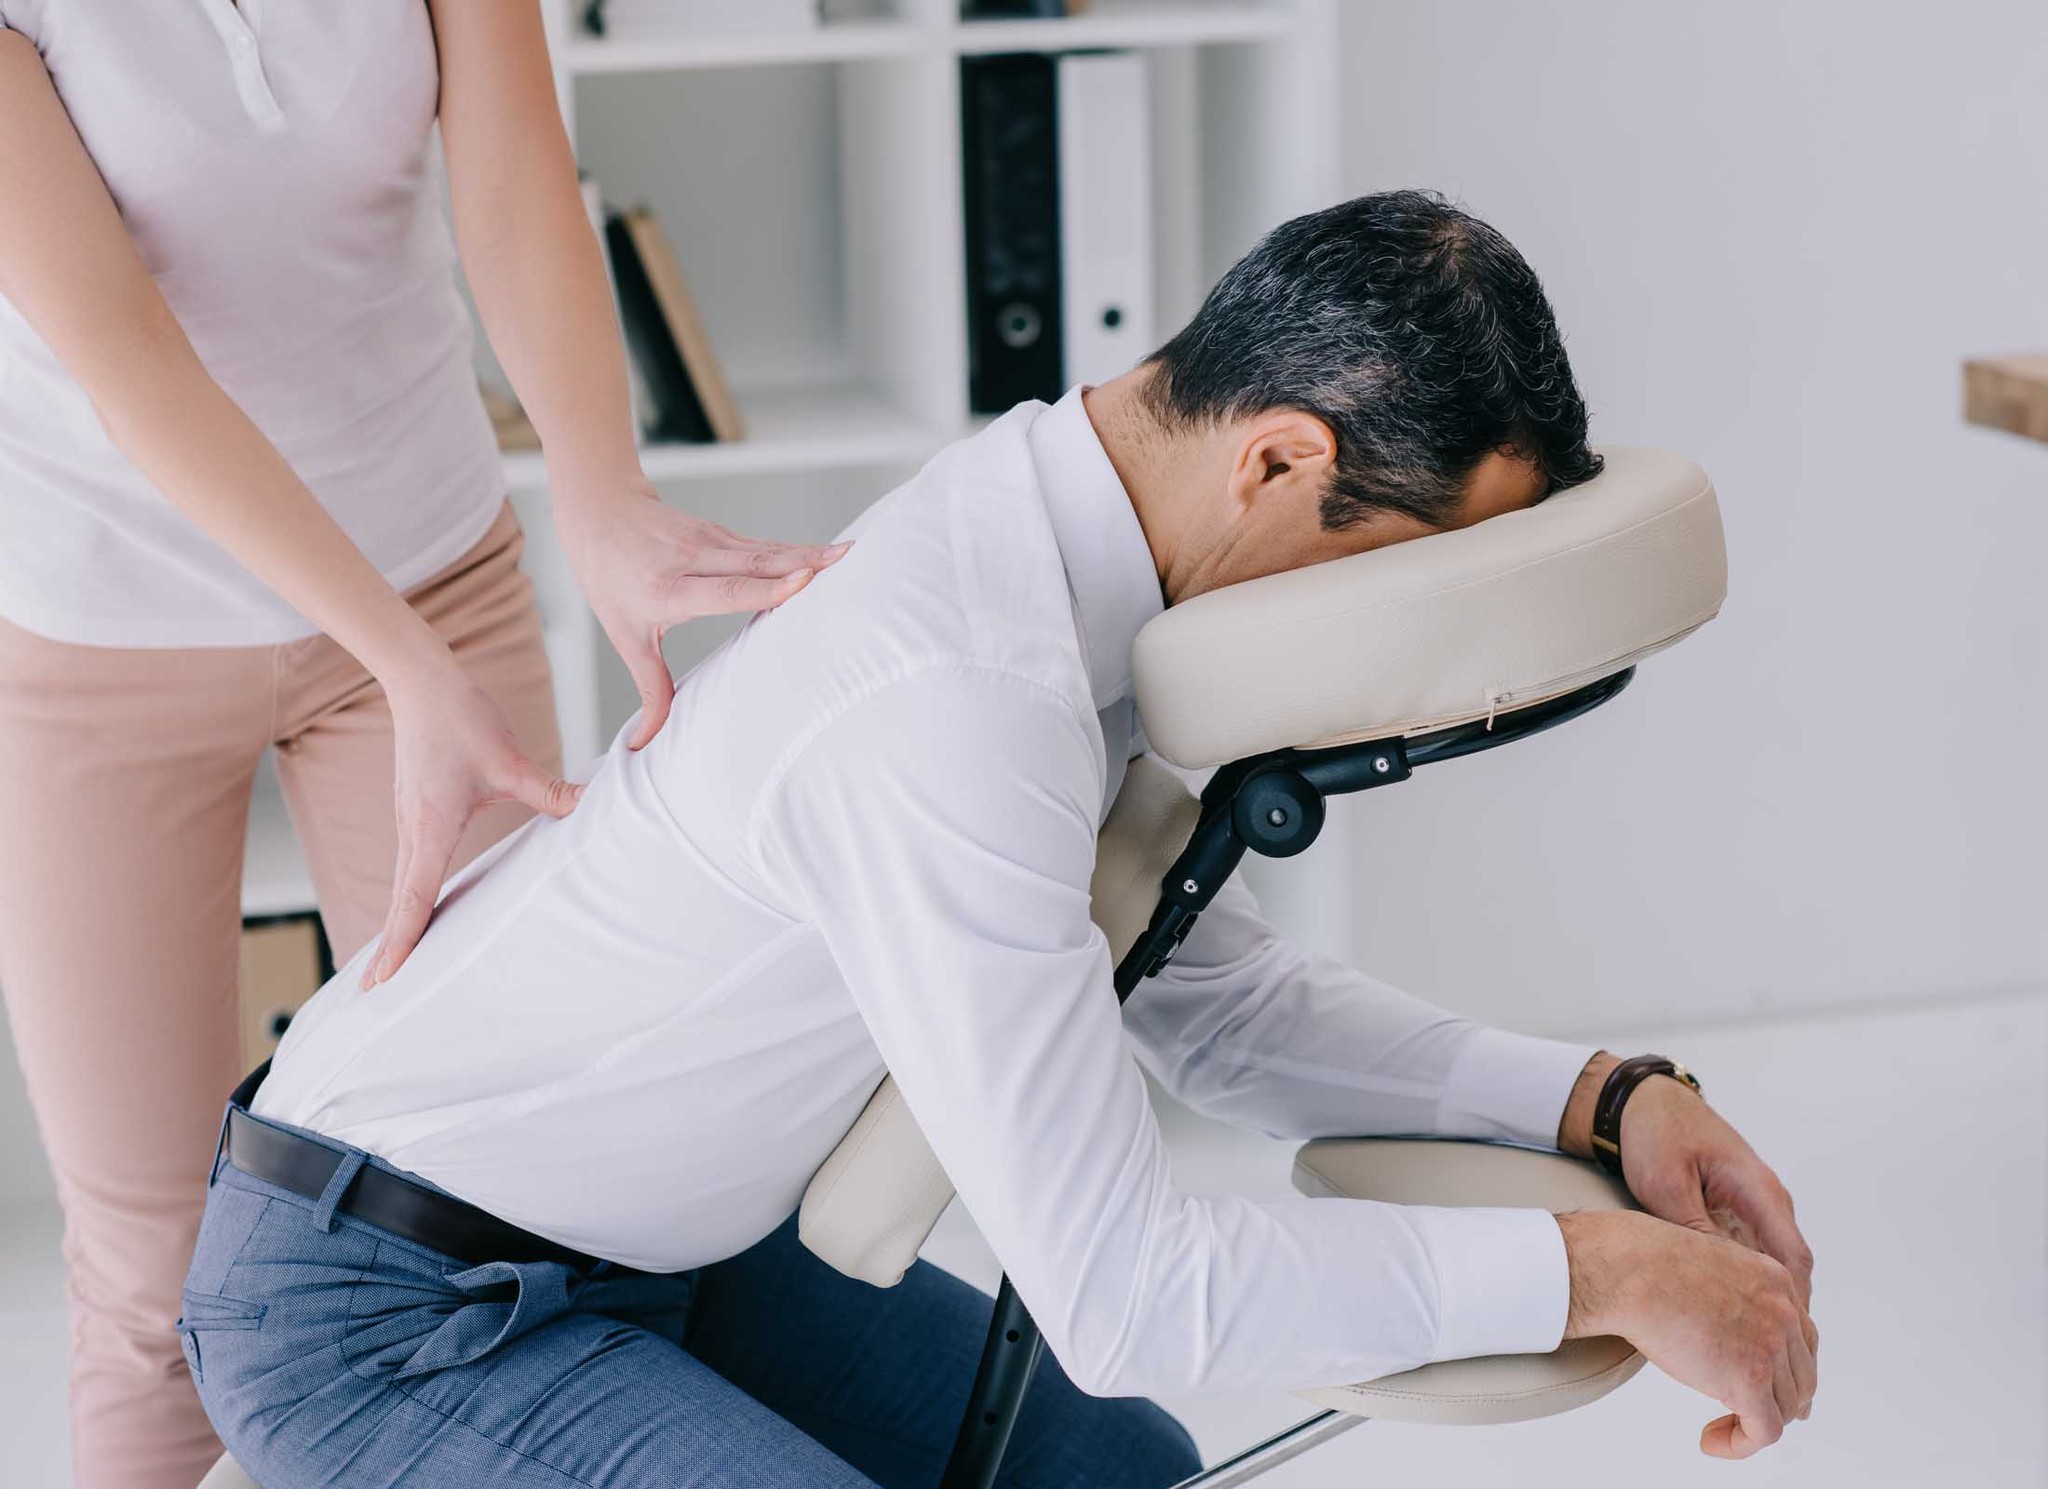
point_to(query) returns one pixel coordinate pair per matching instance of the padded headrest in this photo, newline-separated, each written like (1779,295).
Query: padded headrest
(1441,630)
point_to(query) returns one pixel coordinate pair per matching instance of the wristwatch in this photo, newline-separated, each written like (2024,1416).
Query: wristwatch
(1621,1084)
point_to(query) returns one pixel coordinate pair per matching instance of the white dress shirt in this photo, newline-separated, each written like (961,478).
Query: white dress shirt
(272,163)
(865,839)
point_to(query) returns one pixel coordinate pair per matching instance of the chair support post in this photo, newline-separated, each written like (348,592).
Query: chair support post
(1008,1359)
(1312,1432)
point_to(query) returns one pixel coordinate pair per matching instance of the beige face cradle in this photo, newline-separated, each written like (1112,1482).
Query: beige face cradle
(1432,647)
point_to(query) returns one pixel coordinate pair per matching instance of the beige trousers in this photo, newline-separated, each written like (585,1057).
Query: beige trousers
(125,781)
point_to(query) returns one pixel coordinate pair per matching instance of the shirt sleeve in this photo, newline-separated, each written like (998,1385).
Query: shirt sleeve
(941,834)
(1249,1028)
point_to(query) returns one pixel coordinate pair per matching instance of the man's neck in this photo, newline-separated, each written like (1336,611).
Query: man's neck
(1146,460)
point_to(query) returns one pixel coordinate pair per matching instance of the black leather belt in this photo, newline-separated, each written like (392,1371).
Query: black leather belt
(380,1198)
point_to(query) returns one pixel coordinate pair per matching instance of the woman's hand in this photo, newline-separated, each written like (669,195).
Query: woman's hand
(455,753)
(645,567)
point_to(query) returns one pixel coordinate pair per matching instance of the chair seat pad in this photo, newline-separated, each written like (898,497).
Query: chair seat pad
(227,1474)
(1498,1388)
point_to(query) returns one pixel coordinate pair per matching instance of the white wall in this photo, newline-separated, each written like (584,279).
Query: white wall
(1771,233)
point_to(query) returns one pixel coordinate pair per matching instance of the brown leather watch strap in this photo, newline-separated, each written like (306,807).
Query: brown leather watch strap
(1614,1094)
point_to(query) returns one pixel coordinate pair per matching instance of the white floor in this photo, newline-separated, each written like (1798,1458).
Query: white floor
(1915,1140)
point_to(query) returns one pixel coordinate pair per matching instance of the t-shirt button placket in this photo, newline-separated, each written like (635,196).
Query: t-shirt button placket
(254,86)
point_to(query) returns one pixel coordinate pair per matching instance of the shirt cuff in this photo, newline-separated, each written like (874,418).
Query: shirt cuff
(1510,1088)
(1504,1286)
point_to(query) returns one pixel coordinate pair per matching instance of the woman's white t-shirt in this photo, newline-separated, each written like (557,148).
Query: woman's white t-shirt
(273,163)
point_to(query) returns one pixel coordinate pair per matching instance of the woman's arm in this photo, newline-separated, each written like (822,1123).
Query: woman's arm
(68,265)
(539,281)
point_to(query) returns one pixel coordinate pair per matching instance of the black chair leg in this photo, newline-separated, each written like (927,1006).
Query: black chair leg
(1008,1359)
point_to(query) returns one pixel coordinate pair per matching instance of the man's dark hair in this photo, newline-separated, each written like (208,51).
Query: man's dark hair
(1414,330)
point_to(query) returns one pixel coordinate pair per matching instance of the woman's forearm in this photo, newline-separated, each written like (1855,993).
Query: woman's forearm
(176,425)
(69,267)
(533,262)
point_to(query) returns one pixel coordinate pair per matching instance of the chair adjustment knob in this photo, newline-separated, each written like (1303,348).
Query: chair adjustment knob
(1277,813)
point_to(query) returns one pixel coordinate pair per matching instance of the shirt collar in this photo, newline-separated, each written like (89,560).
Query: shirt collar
(1110,571)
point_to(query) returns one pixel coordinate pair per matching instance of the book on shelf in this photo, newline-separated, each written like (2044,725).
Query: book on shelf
(508,420)
(688,398)
(593,205)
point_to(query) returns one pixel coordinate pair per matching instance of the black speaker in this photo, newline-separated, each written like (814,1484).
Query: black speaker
(1010,147)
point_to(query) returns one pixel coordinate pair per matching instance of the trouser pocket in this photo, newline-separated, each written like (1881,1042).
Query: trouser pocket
(512,1298)
(205,1314)
(403,1324)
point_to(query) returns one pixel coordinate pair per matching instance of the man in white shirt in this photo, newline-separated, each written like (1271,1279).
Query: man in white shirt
(865,842)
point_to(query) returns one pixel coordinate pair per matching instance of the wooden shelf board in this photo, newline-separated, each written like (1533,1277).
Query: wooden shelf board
(833,427)
(678,51)
(1113,23)
(2009,393)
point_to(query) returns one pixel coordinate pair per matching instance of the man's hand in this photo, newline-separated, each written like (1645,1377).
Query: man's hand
(1683,1163)
(1711,1314)
(1708,1316)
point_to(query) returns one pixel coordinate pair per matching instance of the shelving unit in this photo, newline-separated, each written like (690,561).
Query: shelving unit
(811,181)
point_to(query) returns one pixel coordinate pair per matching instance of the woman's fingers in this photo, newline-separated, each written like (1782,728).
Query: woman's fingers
(655,684)
(543,790)
(734,593)
(423,864)
(764,560)
(370,967)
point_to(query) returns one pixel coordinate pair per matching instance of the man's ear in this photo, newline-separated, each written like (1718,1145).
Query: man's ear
(1282,451)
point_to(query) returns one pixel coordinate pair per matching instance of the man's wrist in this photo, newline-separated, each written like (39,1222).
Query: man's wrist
(1575,1127)
(1597,1247)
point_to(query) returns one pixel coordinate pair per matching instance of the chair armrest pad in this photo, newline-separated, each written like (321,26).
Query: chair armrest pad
(870,1207)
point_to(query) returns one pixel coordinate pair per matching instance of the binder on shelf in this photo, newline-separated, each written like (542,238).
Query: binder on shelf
(1011,10)
(688,399)
(1060,252)
(1010,151)
(1107,254)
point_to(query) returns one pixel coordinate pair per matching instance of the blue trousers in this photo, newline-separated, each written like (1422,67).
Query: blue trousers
(328,1351)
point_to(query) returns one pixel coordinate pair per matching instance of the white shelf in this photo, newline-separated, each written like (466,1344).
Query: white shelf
(812,182)
(663,51)
(1129,24)
(1113,23)
(832,427)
